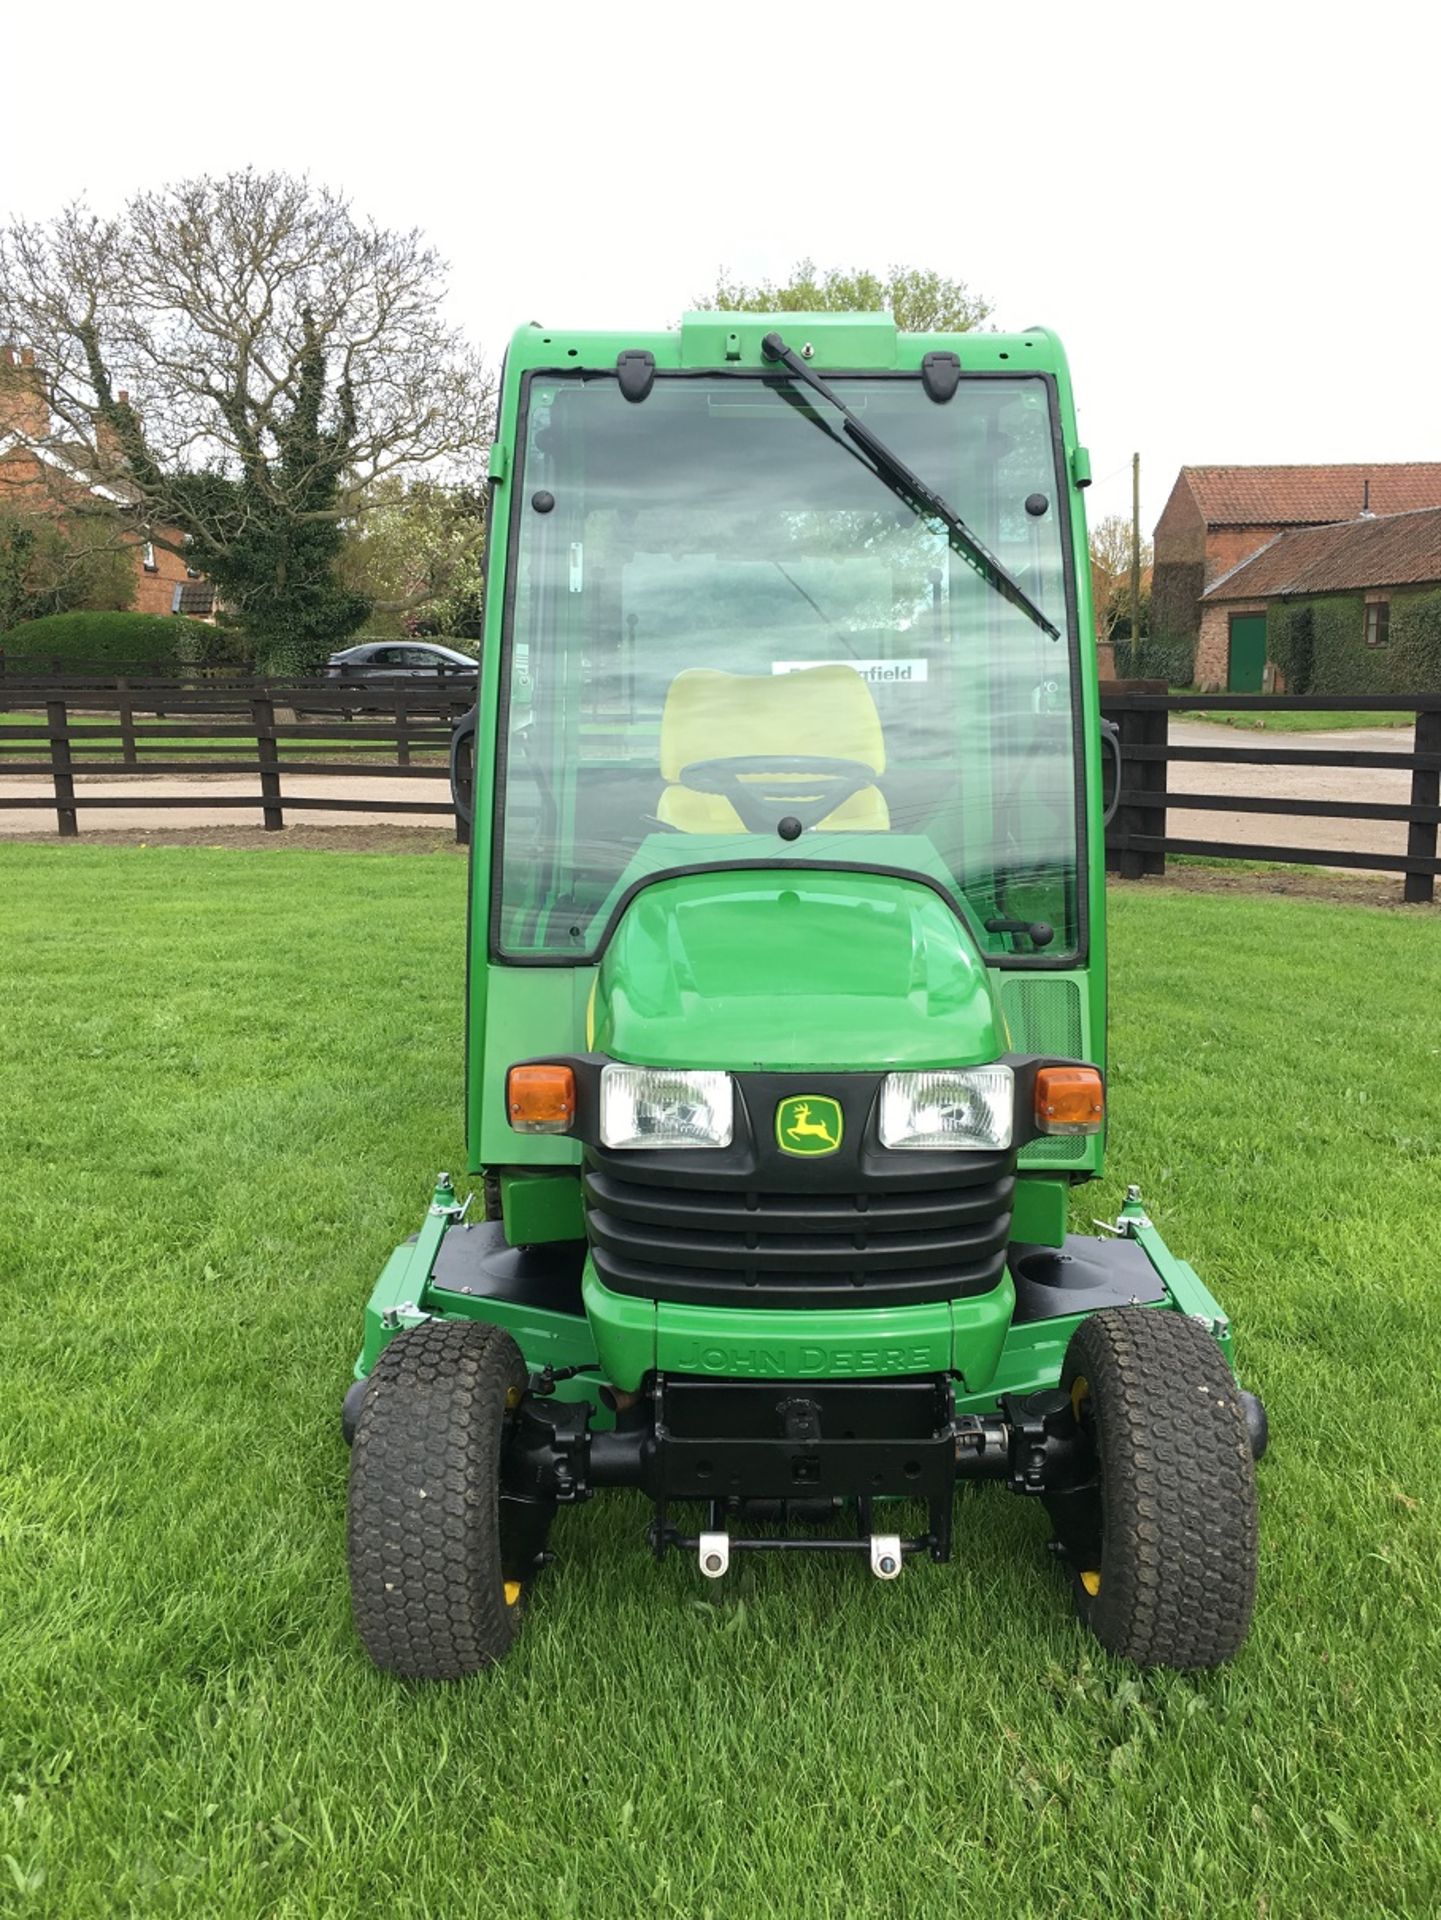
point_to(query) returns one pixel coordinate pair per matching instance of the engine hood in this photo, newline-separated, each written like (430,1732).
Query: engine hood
(807,970)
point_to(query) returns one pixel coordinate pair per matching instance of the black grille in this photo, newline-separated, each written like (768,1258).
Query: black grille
(729,1245)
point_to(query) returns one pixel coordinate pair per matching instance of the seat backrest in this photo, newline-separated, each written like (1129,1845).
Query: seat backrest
(823,711)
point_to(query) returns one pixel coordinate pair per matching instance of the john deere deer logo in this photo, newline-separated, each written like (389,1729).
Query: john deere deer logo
(808,1123)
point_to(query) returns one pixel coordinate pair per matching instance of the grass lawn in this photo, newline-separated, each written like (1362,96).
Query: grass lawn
(1301,722)
(226,1080)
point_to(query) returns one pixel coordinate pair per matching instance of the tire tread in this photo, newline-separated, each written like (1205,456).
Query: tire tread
(1178,1489)
(423,1530)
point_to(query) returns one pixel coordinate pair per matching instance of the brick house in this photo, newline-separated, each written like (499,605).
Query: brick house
(38,470)
(1348,579)
(1218,517)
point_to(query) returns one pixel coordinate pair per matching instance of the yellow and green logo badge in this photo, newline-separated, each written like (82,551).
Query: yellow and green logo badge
(809,1123)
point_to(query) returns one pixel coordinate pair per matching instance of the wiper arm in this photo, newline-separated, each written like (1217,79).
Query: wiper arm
(889,467)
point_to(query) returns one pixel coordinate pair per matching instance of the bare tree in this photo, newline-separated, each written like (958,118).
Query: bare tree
(241,364)
(1111,572)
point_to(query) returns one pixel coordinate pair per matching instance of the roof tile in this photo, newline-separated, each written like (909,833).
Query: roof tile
(1310,496)
(1385,550)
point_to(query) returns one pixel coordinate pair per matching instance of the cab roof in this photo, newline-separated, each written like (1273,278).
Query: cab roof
(855,342)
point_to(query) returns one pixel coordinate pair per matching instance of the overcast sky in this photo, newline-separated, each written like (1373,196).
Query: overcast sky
(1229,213)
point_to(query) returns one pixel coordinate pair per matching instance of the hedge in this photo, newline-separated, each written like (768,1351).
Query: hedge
(91,641)
(1152,658)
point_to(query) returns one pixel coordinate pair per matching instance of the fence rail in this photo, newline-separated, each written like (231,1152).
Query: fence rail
(1137,840)
(91,728)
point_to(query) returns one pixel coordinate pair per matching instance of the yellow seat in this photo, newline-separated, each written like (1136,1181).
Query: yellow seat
(827,712)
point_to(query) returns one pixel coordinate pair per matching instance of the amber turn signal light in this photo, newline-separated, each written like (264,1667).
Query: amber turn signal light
(1070,1100)
(540,1099)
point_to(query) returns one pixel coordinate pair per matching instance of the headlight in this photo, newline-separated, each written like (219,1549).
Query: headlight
(963,1110)
(659,1108)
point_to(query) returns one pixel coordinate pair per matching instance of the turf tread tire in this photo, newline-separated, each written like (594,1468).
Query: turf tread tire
(1178,1490)
(423,1532)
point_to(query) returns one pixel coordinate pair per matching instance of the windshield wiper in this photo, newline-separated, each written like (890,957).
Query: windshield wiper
(877,457)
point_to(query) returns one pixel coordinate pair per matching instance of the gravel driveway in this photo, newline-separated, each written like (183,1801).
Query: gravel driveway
(203,792)
(1308,783)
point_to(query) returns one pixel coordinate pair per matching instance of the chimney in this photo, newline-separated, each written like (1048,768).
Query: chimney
(24,407)
(1366,513)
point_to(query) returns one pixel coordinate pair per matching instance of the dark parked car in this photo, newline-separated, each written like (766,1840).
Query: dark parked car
(400,660)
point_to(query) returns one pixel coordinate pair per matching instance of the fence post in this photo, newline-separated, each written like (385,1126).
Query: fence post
(402,722)
(1129,862)
(262,712)
(1156,732)
(1425,792)
(60,769)
(127,722)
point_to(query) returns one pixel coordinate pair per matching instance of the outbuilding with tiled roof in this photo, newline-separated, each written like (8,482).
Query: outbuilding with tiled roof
(1348,574)
(1218,517)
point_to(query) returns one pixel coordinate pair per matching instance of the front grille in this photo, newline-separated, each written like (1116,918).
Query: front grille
(730,1245)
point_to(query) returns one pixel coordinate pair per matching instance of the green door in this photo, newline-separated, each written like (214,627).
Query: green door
(1247,660)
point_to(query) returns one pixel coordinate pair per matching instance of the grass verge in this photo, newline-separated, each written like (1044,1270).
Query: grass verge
(226,1080)
(1300,722)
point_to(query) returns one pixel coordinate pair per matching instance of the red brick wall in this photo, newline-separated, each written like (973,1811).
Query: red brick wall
(155,592)
(1227,547)
(1180,531)
(26,488)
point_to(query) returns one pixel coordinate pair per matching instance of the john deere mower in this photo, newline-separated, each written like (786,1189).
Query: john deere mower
(786,1014)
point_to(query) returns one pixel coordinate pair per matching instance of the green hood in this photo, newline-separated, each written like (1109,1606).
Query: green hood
(844,971)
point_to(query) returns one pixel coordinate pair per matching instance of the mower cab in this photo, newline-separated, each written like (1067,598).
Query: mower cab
(786,1015)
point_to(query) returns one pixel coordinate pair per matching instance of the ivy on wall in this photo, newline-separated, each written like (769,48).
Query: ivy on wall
(1289,643)
(1176,589)
(1341,660)
(1319,644)
(1416,642)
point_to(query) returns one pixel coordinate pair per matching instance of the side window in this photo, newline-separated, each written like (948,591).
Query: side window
(1378,623)
(386,657)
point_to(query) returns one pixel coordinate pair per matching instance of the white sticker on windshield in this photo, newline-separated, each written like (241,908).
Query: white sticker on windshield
(878,672)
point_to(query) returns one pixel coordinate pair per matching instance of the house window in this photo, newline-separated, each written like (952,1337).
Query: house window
(1378,623)
(147,556)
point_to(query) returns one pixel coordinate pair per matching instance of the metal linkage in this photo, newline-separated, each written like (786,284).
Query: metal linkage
(794,1454)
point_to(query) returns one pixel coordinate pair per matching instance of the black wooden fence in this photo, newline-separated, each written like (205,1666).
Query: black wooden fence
(1137,841)
(68,729)
(71,730)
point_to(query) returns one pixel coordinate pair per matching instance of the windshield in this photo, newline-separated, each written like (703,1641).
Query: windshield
(731,641)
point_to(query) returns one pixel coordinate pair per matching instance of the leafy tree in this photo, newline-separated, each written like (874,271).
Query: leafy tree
(419,559)
(1111,576)
(921,300)
(45,568)
(245,363)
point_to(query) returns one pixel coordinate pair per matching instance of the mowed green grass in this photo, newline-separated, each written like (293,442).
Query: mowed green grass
(227,1081)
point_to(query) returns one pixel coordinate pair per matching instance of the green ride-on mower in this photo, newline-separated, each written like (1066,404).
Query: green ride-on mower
(786,1012)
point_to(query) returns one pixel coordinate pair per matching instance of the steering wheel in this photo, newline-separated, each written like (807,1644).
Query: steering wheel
(749,781)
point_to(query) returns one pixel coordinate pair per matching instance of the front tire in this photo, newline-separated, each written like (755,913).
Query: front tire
(1165,1572)
(428,1579)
